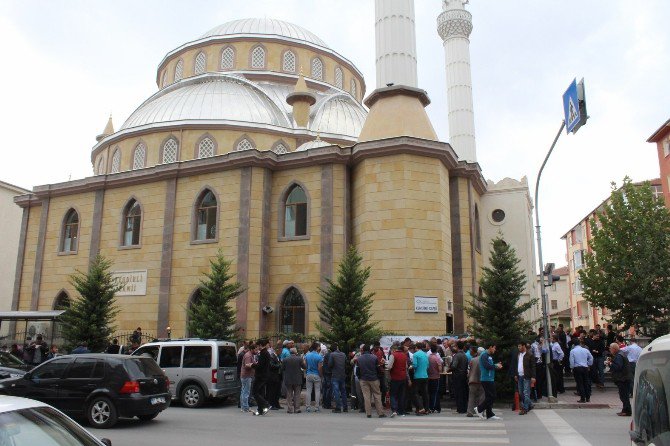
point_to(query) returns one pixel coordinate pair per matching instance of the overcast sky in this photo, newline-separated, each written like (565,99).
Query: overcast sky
(68,64)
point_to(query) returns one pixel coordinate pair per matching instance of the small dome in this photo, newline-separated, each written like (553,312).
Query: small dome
(338,114)
(211,96)
(318,142)
(270,27)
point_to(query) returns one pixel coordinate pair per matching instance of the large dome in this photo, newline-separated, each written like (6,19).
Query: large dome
(271,27)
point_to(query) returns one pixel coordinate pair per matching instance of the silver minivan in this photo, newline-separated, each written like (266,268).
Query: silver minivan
(197,368)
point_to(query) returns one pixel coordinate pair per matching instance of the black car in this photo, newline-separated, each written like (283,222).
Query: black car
(100,387)
(11,366)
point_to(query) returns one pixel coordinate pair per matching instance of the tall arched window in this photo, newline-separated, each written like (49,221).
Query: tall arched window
(228,58)
(295,213)
(170,151)
(353,88)
(339,78)
(116,161)
(164,82)
(206,212)
(200,63)
(206,147)
(132,223)
(258,57)
(140,156)
(193,300)
(70,235)
(244,144)
(317,69)
(99,169)
(62,301)
(179,71)
(478,231)
(289,62)
(292,312)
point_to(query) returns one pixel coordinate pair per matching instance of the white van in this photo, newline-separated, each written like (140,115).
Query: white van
(651,418)
(197,368)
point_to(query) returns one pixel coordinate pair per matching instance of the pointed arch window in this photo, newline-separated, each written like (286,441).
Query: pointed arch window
(200,63)
(140,156)
(70,235)
(317,69)
(295,213)
(170,149)
(62,301)
(206,148)
(244,144)
(193,300)
(339,78)
(99,170)
(353,88)
(132,223)
(116,161)
(478,231)
(289,62)
(227,58)
(206,214)
(179,71)
(292,312)
(280,149)
(164,82)
(258,57)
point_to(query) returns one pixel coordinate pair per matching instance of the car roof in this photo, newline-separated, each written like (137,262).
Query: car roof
(190,341)
(659,344)
(12,403)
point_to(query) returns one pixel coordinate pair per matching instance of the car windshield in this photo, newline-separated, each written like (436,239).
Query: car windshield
(142,368)
(41,426)
(9,360)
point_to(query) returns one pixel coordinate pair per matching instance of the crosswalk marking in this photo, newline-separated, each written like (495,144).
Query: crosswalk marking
(562,432)
(422,439)
(423,430)
(458,422)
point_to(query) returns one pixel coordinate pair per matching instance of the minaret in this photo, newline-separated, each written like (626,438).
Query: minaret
(109,129)
(301,100)
(454,25)
(395,43)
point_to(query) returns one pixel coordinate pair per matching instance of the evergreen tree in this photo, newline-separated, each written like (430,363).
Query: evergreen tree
(497,313)
(90,317)
(345,309)
(212,315)
(628,271)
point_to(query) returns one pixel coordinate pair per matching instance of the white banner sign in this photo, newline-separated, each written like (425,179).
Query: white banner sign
(425,304)
(134,282)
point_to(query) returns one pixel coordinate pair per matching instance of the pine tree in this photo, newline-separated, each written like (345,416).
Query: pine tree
(90,317)
(345,310)
(212,316)
(497,313)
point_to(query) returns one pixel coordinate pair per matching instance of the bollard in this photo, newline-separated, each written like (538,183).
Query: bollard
(516,401)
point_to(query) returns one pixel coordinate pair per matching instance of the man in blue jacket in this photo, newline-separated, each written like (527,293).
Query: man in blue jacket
(488,375)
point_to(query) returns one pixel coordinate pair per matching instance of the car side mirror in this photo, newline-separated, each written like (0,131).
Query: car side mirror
(106,441)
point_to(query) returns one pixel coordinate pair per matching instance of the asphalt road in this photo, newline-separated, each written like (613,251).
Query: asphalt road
(225,425)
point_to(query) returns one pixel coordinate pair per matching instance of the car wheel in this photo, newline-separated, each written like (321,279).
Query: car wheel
(101,413)
(148,417)
(192,396)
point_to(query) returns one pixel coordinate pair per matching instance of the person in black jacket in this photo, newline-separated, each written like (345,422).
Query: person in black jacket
(261,379)
(621,376)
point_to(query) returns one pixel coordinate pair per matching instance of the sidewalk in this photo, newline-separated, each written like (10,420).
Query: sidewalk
(600,399)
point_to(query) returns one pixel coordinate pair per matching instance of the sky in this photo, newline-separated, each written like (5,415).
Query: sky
(68,64)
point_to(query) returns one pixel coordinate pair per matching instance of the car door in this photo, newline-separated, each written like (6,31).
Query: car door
(82,377)
(42,383)
(170,362)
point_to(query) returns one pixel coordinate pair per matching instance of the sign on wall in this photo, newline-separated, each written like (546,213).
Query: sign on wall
(424,304)
(134,282)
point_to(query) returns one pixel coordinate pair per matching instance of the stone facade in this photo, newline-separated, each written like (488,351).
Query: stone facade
(10,226)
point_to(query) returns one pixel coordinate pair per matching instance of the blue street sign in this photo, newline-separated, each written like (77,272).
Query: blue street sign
(571,107)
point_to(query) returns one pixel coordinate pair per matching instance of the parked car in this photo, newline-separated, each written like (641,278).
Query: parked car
(99,387)
(651,417)
(25,422)
(11,366)
(197,368)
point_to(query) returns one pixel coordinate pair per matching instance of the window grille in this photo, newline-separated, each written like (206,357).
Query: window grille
(258,57)
(170,151)
(289,62)
(179,71)
(227,59)
(200,63)
(339,78)
(139,157)
(245,144)
(206,148)
(164,82)
(353,88)
(317,69)
(280,149)
(116,161)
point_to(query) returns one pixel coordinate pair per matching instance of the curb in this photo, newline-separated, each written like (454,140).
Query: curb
(560,405)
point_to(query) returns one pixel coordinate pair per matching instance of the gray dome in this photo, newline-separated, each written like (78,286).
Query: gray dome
(270,27)
(211,96)
(318,142)
(338,114)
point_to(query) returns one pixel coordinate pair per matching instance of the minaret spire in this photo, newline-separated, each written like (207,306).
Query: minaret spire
(454,26)
(395,43)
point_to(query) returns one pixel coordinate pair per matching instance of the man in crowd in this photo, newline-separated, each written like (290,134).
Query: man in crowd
(580,361)
(38,351)
(314,363)
(621,377)
(488,374)
(274,380)
(114,348)
(292,366)
(632,353)
(557,356)
(434,373)
(524,375)
(397,367)
(368,369)
(260,382)
(459,373)
(247,365)
(597,347)
(378,351)
(420,382)
(336,364)
(326,383)
(475,389)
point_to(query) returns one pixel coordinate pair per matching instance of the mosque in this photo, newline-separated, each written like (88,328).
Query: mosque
(260,141)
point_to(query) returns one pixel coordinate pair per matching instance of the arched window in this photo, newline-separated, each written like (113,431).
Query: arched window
(339,78)
(258,57)
(132,223)
(116,160)
(99,169)
(289,62)
(179,71)
(353,88)
(317,69)
(206,148)
(280,149)
(228,58)
(193,300)
(62,301)
(170,151)
(244,144)
(206,212)
(292,312)
(200,63)
(140,156)
(164,82)
(295,214)
(70,236)
(478,231)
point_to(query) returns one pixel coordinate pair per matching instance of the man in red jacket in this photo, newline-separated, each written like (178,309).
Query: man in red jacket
(397,366)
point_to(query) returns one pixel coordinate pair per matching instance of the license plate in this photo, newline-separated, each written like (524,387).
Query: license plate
(159,400)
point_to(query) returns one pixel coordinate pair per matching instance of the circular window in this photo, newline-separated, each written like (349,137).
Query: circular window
(498,215)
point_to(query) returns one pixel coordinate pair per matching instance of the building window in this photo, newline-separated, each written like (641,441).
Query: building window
(116,161)
(99,167)
(289,62)
(292,314)
(498,215)
(244,144)
(295,213)
(200,63)
(170,151)
(353,88)
(258,57)
(194,300)
(578,257)
(139,158)
(317,69)
(478,231)
(339,78)
(554,304)
(227,58)
(577,286)
(132,222)
(657,190)
(179,71)
(164,82)
(280,149)
(62,301)
(666,147)
(70,237)
(206,213)
(206,148)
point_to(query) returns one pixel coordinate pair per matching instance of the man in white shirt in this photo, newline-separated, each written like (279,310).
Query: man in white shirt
(632,353)
(557,356)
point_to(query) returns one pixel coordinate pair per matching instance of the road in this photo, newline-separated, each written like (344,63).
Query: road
(224,424)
